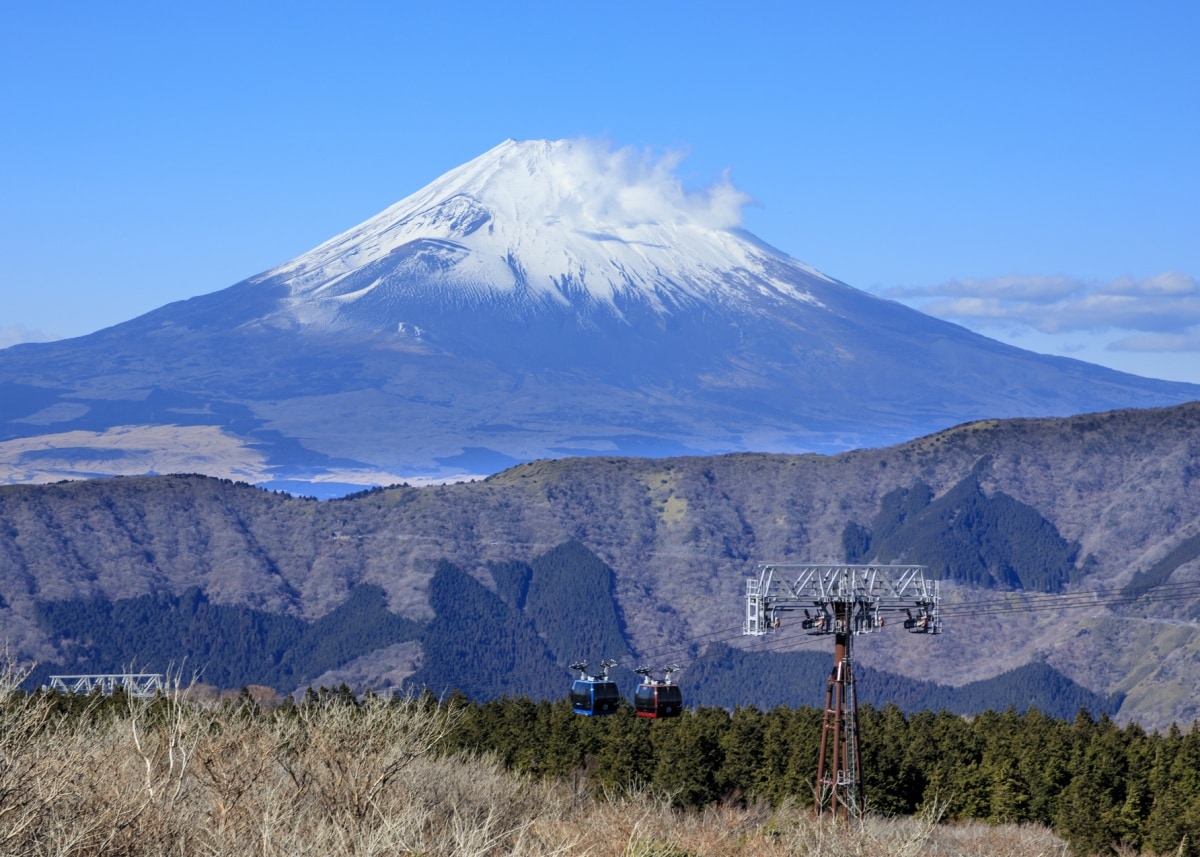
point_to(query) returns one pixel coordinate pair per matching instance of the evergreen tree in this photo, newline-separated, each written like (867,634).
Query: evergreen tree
(741,753)
(1089,810)
(688,756)
(564,750)
(1174,823)
(891,786)
(624,757)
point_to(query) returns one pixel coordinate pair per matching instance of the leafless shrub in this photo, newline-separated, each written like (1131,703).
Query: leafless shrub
(173,777)
(45,803)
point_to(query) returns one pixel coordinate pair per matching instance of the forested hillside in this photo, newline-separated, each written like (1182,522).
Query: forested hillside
(562,560)
(726,677)
(229,646)
(967,536)
(482,646)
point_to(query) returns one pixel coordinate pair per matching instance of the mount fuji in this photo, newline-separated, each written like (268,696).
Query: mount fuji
(547,299)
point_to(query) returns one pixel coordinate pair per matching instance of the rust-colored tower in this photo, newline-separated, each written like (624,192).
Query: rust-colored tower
(842,600)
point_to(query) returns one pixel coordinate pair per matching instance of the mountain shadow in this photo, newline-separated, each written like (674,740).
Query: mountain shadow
(726,677)
(519,639)
(1161,571)
(967,536)
(480,645)
(571,603)
(227,646)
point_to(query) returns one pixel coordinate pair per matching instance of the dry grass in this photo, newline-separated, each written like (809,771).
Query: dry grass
(333,779)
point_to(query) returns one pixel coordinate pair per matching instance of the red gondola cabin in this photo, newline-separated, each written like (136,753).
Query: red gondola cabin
(658,700)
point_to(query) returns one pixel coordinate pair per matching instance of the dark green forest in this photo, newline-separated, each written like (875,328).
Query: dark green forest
(515,641)
(226,646)
(967,536)
(1096,784)
(726,677)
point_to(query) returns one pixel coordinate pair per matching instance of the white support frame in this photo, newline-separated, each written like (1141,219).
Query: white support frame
(139,685)
(872,591)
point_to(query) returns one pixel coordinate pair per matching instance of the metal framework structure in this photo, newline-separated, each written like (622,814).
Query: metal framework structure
(842,600)
(647,674)
(605,665)
(140,685)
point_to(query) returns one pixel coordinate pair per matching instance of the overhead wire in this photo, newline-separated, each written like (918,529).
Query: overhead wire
(1017,603)
(679,651)
(778,642)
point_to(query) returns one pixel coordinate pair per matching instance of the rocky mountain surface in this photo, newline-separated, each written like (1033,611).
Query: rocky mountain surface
(1086,535)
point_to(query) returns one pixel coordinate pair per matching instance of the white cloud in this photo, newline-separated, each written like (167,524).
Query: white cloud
(15,334)
(1032,289)
(1169,283)
(1166,306)
(632,186)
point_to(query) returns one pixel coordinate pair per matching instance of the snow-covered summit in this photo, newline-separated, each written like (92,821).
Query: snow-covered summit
(565,222)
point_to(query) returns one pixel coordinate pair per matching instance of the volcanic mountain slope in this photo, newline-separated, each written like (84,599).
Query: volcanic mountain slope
(546,299)
(1063,516)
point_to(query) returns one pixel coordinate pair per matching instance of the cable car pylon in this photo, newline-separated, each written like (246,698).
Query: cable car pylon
(842,600)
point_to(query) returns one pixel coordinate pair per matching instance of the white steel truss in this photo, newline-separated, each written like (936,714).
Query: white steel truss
(871,592)
(140,685)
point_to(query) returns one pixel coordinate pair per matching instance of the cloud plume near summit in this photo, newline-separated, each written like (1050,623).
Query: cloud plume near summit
(634,186)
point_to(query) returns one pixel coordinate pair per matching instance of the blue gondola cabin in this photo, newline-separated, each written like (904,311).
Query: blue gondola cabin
(595,697)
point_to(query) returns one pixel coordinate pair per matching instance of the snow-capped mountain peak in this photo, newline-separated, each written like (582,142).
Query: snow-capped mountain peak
(546,299)
(565,222)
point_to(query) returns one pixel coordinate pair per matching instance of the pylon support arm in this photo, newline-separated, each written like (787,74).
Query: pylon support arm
(871,591)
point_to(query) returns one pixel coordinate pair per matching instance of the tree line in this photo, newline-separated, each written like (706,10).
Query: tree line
(1095,783)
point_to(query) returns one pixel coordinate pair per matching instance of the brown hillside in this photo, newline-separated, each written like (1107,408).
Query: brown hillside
(681,534)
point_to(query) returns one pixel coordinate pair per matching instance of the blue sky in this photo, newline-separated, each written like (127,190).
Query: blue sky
(1029,170)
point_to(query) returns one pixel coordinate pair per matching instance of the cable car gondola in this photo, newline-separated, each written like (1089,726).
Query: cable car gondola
(657,698)
(595,696)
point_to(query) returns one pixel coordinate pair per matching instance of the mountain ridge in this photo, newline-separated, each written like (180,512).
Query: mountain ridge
(681,535)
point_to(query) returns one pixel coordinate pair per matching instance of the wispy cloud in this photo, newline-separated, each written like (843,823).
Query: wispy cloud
(1158,342)
(1160,313)
(15,334)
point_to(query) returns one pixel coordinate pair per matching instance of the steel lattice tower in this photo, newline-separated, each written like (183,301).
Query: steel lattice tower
(842,600)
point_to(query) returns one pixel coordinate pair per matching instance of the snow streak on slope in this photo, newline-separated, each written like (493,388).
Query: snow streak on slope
(567,222)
